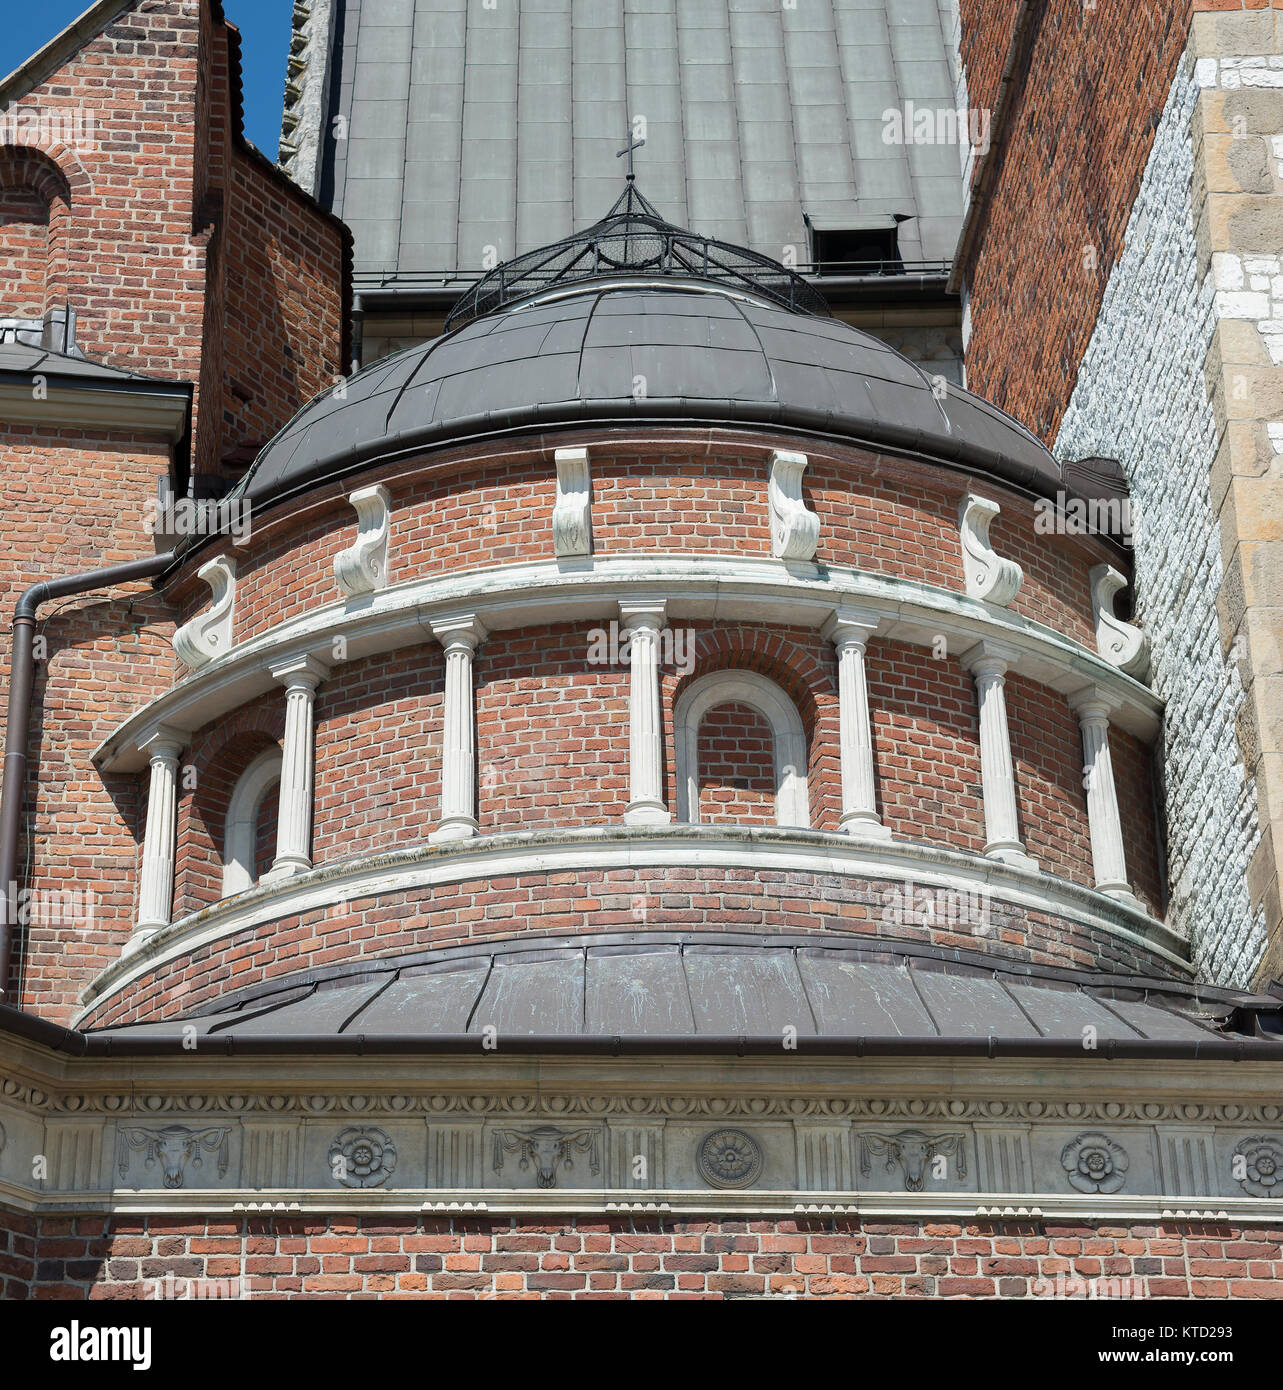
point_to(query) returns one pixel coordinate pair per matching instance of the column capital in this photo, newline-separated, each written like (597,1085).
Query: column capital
(642,613)
(300,672)
(988,658)
(850,626)
(459,630)
(163,741)
(1093,703)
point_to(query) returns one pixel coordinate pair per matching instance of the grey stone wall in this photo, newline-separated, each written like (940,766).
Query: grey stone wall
(1140,396)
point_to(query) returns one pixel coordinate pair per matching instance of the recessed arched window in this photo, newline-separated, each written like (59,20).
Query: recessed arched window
(788,740)
(243,831)
(34,226)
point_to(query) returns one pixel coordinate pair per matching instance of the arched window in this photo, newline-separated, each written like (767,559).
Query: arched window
(240,832)
(34,227)
(788,739)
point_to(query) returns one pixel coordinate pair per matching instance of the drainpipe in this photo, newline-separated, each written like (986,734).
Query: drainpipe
(21,671)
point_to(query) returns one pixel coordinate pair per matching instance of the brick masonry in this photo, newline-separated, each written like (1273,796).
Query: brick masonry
(79,1257)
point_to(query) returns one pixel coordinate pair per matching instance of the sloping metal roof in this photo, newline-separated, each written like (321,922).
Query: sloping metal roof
(665,987)
(28,360)
(704,354)
(471,131)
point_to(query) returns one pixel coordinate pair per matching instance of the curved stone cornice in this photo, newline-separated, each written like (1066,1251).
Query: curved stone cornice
(762,849)
(722,587)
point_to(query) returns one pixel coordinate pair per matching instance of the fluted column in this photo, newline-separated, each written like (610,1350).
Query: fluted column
(294,822)
(850,630)
(156,889)
(1109,860)
(644,620)
(988,665)
(460,637)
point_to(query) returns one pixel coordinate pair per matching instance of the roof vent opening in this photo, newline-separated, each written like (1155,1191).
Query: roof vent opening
(847,247)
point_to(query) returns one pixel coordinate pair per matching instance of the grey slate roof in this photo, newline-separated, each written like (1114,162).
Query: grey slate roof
(705,355)
(661,986)
(470,127)
(24,358)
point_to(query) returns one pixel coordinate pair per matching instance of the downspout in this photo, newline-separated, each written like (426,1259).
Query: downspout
(1022,34)
(21,672)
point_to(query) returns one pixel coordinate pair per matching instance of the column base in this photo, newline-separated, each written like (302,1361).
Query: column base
(647,813)
(286,868)
(454,828)
(1122,893)
(140,936)
(1011,852)
(860,825)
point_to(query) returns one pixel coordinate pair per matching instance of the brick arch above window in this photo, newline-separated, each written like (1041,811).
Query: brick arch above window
(788,737)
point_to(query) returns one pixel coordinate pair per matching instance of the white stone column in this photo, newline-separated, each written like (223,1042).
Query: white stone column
(300,678)
(460,637)
(1109,862)
(988,665)
(850,630)
(644,620)
(156,890)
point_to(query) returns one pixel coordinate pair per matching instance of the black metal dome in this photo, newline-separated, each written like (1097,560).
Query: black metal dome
(634,239)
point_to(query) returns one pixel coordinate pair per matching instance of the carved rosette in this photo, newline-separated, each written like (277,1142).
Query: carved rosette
(209,634)
(1257,1166)
(729,1158)
(795,529)
(1094,1163)
(363,567)
(1121,644)
(988,575)
(362,1156)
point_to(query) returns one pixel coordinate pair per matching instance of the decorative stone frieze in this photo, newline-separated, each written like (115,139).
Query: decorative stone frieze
(362,1156)
(170,1151)
(1120,643)
(1094,1163)
(988,575)
(572,511)
(209,634)
(547,1152)
(795,529)
(363,567)
(729,1158)
(919,1156)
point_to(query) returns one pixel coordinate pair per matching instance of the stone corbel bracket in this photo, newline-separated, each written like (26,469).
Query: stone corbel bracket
(572,512)
(795,529)
(363,567)
(989,576)
(1120,643)
(209,634)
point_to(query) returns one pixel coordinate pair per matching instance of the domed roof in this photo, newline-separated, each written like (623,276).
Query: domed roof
(626,323)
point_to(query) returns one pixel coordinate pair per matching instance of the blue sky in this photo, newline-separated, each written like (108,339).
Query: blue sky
(265,39)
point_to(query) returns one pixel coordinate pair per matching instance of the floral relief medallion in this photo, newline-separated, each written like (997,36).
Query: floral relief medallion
(1094,1163)
(729,1158)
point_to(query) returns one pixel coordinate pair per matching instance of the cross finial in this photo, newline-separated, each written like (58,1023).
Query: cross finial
(633,144)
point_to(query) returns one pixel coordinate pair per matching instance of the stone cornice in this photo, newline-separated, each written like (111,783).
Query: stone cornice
(691,587)
(584,848)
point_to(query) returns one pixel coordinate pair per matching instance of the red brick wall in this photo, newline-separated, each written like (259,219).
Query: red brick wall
(736,767)
(472,508)
(341,1257)
(577,902)
(926,745)
(1067,166)
(1134,779)
(104,654)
